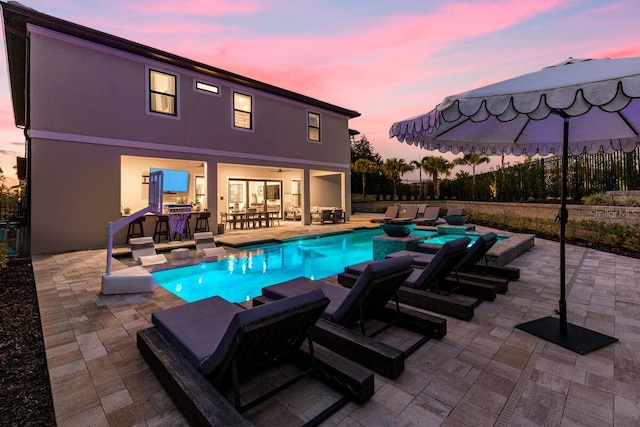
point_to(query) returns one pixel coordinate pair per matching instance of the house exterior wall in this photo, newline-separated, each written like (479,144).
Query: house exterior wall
(87,109)
(80,90)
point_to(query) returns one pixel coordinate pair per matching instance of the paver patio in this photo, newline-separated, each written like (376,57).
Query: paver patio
(483,372)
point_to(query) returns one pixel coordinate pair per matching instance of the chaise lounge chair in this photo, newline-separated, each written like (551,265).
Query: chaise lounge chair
(221,342)
(389,214)
(429,217)
(455,216)
(369,297)
(421,289)
(144,251)
(406,216)
(469,272)
(206,245)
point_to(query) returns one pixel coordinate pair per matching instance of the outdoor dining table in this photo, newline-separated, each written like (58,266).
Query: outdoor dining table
(244,217)
(237,216)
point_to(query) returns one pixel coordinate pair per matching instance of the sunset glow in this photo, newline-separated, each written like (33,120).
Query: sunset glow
(387,60)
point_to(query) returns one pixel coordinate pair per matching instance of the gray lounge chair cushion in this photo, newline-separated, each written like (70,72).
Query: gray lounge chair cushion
(477,251)
(357,268)
(406,216)
(391,212)
(413,280)
(429,217)
(373,271)
(419,258)
(336,294)
(343,300)
(204,331)
(452,248)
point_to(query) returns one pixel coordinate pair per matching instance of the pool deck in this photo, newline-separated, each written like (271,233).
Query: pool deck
(483,372)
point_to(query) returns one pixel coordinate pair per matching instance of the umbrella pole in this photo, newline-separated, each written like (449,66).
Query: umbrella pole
(558,331)
(564,218)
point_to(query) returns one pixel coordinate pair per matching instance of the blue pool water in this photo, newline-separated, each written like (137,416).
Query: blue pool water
(238,278)
(235,279)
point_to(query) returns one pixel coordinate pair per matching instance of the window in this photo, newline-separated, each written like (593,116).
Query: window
(296,193)
(242,111)
(208,88)
(313,122)
(163,93)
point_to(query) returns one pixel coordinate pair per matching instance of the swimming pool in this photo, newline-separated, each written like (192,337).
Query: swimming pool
(238,278)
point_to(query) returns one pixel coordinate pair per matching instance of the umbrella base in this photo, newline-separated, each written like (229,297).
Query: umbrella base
(577,339)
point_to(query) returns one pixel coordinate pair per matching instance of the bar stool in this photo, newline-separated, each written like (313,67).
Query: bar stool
(186,231)
(202,222)
(162,228)
(132,232)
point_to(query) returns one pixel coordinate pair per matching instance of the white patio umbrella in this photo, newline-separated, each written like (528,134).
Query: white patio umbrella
(577,106)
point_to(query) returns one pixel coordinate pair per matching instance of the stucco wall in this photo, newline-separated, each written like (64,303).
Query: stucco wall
(79,90)
(327,190)
(88,109)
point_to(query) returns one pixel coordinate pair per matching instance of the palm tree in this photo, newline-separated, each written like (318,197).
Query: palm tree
(364,166)
(435,166)
(474,160)
(417,164)
(393,169)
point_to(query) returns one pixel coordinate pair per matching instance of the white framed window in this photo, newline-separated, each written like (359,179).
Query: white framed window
(242,111)
(206,87)
(162,89)
(313,127)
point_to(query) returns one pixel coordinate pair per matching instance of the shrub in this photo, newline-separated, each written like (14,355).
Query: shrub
(3,254)
(631,202)
(598,199)
(612,237)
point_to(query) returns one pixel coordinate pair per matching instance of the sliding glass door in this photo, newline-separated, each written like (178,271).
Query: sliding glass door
(256,194)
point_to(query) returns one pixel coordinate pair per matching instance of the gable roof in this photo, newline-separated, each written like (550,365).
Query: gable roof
(17,16)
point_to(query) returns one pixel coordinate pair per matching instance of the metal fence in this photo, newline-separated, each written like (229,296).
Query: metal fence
(539,179)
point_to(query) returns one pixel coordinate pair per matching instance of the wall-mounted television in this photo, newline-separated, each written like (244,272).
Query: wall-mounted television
(273,191)
(173,181)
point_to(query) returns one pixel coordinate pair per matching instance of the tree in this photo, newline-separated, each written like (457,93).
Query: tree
(435,166)
(364,167)
(418,165)
(393,169)
(361,149)
(473,160)
(6,194)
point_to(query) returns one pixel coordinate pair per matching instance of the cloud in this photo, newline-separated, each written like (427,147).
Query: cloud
(196,7)
(388,60)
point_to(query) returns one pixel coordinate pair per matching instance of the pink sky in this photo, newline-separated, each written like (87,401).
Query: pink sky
(389,60)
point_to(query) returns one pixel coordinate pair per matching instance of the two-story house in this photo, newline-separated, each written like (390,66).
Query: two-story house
(101,112)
